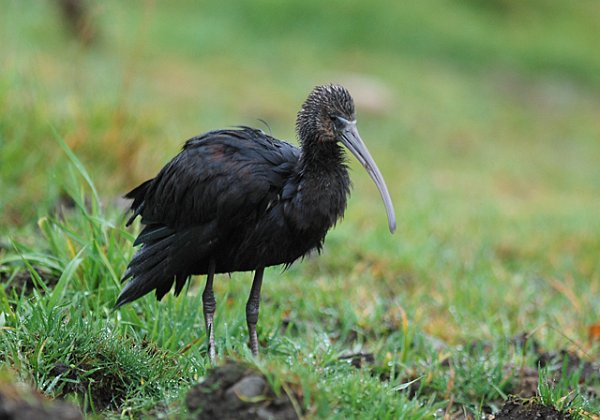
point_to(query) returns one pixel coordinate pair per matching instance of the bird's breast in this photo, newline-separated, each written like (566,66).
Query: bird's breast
(318,203)
(292,225)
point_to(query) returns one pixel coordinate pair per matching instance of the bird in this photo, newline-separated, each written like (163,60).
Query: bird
(239,199)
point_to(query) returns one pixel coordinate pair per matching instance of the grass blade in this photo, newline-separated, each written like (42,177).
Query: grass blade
(64,279)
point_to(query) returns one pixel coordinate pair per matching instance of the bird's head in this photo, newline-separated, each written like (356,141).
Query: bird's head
(326,117)
(324,113)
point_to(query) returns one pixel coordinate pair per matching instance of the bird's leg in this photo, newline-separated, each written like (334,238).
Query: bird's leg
(252,310)
(209,305)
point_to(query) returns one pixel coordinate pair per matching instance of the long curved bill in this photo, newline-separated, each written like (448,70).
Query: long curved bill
(354,143)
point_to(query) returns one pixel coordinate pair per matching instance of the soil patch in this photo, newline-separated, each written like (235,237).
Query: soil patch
(237,391)
(20,403)
(105,389)
(515,409)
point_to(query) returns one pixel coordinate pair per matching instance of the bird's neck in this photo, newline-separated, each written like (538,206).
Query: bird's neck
(321,158)
(323,186)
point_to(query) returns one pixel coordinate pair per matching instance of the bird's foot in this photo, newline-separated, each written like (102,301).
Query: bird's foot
(211,339)
(253,339)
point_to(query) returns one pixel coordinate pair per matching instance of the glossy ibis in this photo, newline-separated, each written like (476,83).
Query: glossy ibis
(241,200)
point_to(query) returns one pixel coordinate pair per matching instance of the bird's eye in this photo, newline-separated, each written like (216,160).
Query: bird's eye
(338,122)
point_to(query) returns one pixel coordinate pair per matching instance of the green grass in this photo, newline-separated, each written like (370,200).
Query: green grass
(488,141)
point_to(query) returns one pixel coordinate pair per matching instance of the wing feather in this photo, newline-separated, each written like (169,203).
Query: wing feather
(218,182)
(222,175)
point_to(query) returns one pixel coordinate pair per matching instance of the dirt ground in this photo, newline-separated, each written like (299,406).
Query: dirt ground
(236,391)
(106,390)
(17,402)
(515,409)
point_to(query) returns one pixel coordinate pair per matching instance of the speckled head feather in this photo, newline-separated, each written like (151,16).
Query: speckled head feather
(316,117)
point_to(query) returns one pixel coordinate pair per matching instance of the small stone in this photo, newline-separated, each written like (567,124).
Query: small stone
(249,387)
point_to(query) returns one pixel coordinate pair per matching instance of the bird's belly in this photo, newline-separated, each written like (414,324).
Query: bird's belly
(252,250)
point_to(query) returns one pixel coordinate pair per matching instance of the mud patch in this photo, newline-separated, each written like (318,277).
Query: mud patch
(97,389)
(19,402)
(515,409)
(235,391)
(525,383)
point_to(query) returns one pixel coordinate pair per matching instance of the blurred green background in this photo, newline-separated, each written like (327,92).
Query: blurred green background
(483,115)
(472,104)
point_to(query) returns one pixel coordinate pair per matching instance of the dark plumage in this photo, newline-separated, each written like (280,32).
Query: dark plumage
(241,200)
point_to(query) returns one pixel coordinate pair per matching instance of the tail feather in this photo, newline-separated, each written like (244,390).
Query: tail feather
(150,256)
(152,234)
(162,289)
(135,214)
(148,270)
(166,256)
(146,273)
(142,285)
(137,195)
(180,280)
(145,261)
